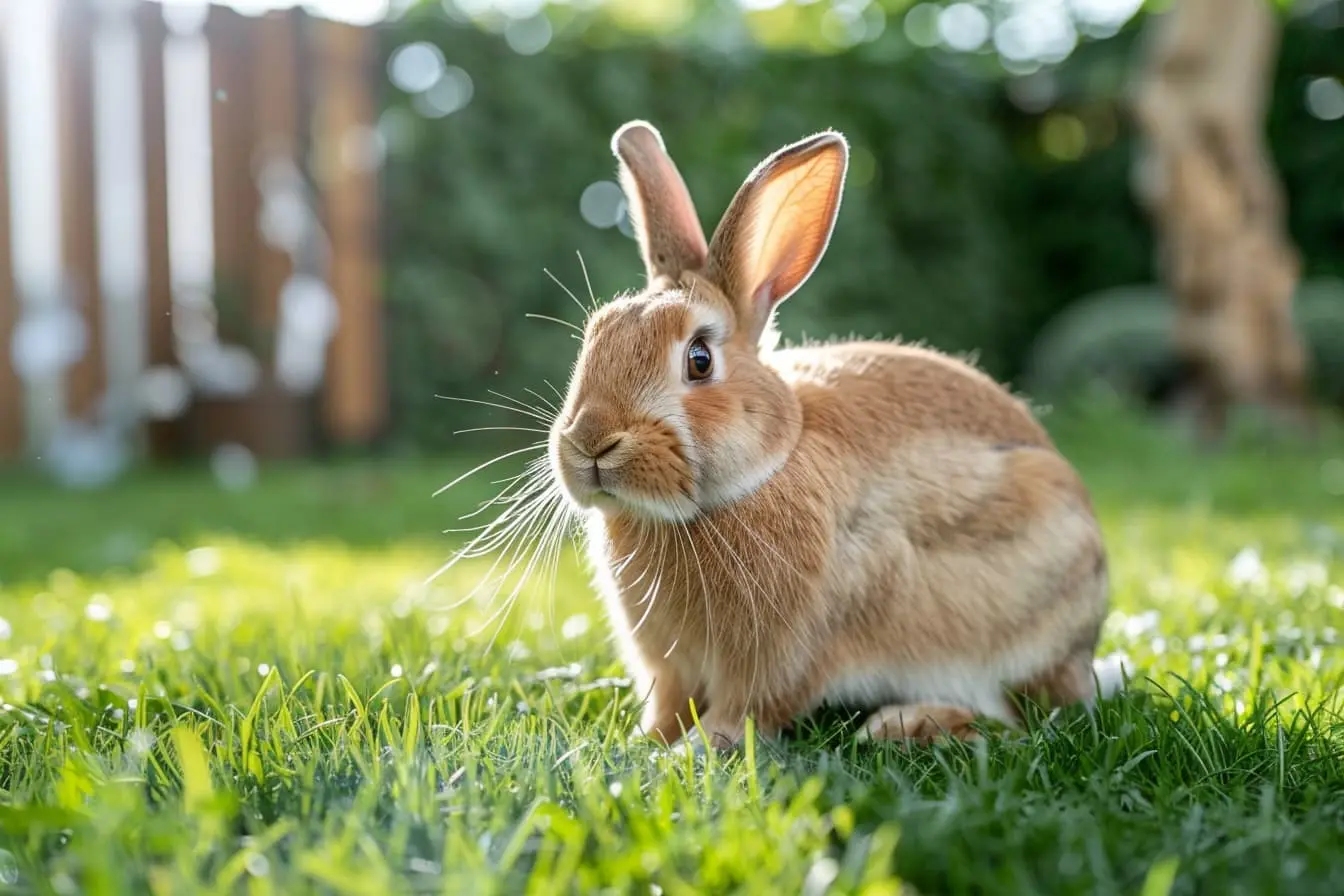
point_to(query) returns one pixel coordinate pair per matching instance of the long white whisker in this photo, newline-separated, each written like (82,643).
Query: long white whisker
(554,509)
(478,468)
(586,310)
(545,402)
(516,532)
(459,432)
(541,418)
(554,320)
(589,283)
(522,405)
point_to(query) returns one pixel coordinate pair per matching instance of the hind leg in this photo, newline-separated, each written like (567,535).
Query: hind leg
(920,723)
(1071,681)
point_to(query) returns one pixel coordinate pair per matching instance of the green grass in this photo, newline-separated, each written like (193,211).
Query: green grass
(251,692)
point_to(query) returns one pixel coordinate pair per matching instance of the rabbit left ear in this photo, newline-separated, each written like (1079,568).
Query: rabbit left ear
(670,237)
(778,226)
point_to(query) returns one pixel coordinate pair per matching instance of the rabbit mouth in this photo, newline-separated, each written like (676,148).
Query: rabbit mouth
(636,471)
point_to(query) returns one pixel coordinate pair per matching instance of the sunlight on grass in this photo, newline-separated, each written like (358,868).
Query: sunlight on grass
(270,699)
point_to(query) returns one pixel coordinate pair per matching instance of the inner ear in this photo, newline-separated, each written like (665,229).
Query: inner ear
(671,240)
(778,225)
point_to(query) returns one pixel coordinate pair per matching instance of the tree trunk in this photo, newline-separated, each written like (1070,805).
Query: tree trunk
(1199,98)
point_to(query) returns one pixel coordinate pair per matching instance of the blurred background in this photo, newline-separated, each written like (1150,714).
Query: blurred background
(259,231)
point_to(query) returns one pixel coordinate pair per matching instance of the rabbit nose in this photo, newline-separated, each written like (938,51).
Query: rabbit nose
(590,440)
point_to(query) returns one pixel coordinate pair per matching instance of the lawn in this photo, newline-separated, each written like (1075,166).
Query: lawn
(254,691)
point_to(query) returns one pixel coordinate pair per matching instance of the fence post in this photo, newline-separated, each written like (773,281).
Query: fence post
(79,222)
(232,67)
(161,436)
(356,390)
(11,387)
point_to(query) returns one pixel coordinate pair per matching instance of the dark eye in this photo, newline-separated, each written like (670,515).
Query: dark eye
(699,362)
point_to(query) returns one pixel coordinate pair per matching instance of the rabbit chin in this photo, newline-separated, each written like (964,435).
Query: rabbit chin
(621,502)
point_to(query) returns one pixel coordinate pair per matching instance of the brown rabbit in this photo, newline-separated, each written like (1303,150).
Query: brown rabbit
(773,529)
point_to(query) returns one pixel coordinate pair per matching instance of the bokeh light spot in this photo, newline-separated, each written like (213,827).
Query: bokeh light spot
(452,92)
(1325,99)
(83,456)
(963,27)
(602,204)
(528,37)
(1063,137)
(416,67)
(47,340)
(164,392)
(234,466)
(921,25)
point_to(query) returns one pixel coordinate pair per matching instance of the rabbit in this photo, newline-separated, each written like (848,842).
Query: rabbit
(774,529)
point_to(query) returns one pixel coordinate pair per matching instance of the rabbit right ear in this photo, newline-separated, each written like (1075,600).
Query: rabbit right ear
(670,237)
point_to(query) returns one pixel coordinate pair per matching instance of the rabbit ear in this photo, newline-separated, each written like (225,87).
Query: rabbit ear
(778,226)
(671,239)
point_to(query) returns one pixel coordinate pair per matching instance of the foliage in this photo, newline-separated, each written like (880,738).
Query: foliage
(274,705)
(1123,337)
(978,205)
(487,198)
(1078,229)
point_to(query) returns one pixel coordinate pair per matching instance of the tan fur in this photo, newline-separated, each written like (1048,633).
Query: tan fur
(860,521)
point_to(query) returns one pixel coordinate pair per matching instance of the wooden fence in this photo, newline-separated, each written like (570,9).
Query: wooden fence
(285,160)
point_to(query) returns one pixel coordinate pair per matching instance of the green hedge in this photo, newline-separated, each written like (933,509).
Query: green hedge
(956,227)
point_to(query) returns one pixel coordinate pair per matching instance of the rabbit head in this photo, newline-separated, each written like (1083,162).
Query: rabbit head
(670,410)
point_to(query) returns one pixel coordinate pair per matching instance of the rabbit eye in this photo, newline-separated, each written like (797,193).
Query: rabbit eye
(699,362)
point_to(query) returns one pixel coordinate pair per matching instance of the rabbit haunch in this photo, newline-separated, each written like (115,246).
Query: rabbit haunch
(774,529)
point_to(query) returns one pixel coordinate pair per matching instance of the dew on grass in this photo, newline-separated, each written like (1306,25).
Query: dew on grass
(9,868)
(202,562)
(140,741)
(258,865)
(560,672)
(263,669)
(181,641)
(8,666)
(574,627)
(127,666)
(1136,626)
(418,865)
(163,629)
(396,670)
(5,629)
(1247,568)
(98,609)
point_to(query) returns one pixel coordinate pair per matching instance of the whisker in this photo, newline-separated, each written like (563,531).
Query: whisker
(586,311)
(554,509)
(540,412)
(460,432)
(545,402)
(479,467)
(554,320)
(589,283)
(503,407)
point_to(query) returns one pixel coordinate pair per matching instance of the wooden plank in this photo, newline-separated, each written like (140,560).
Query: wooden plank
(11,387)
(86,380)
(276,123)
(235,193)
(355,399)
(162,437)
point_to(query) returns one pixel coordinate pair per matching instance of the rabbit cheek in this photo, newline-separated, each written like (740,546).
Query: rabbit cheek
(659,469)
